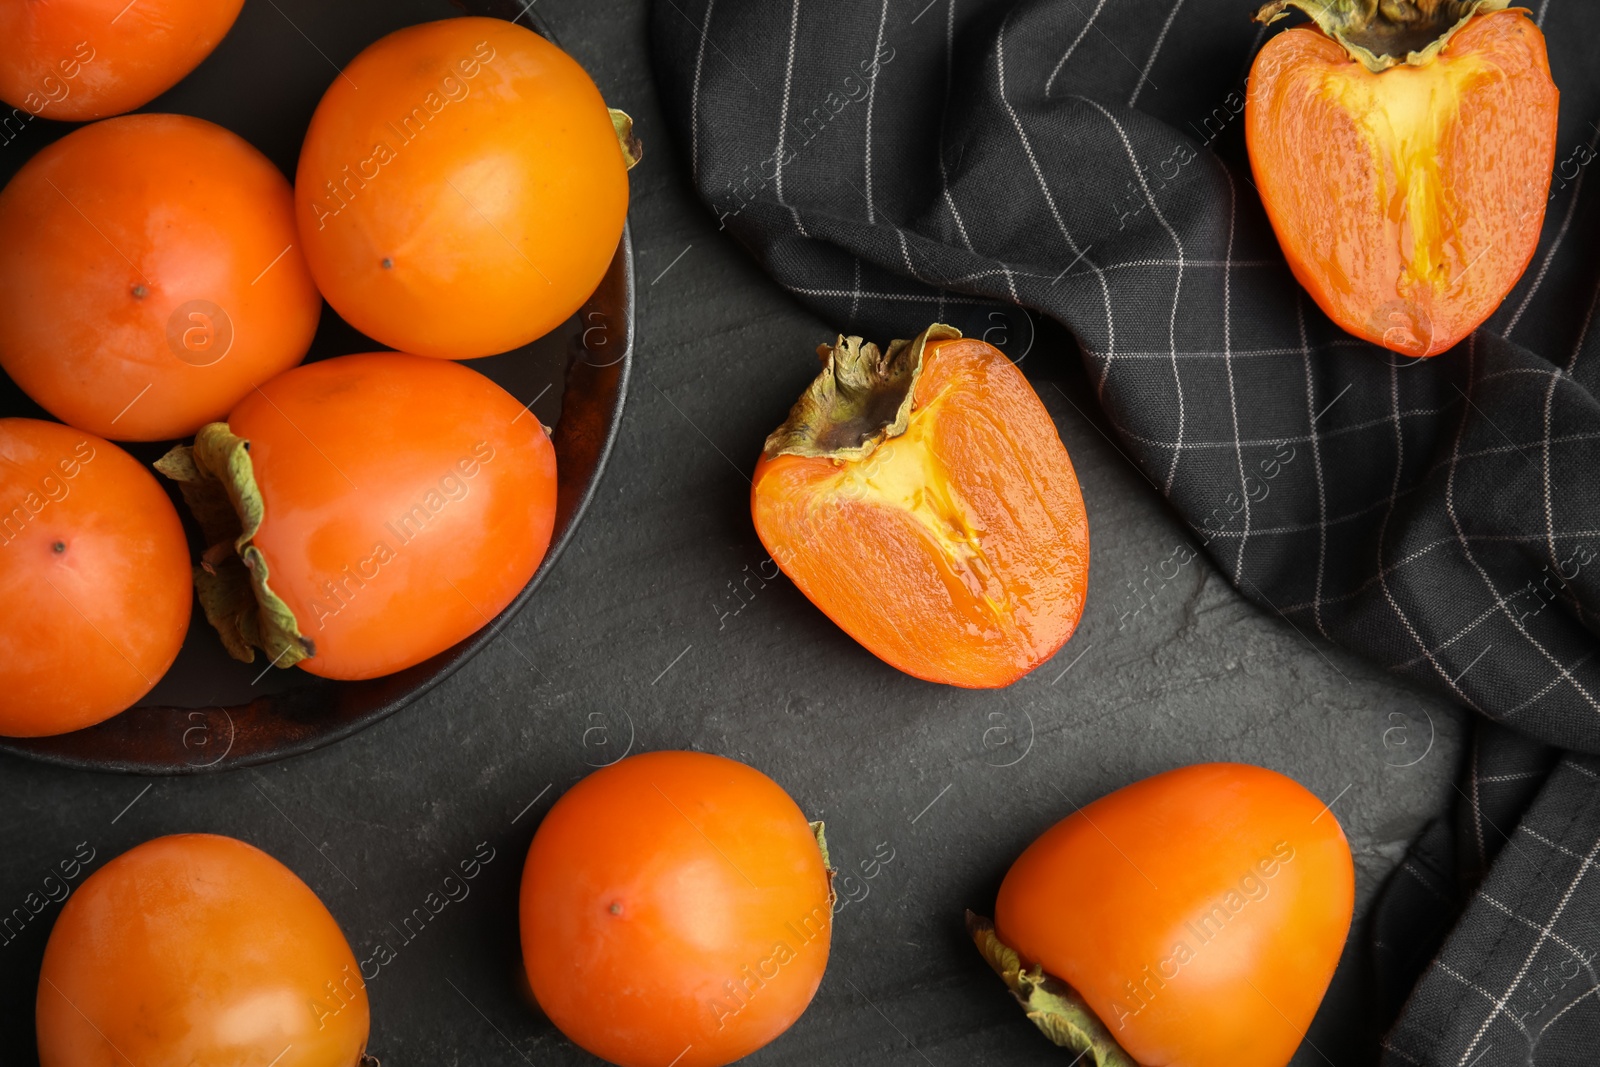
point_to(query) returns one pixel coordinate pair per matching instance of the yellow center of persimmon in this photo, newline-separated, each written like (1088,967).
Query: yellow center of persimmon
(1405,115)
(904,473)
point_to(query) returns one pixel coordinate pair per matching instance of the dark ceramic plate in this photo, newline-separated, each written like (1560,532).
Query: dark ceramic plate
(210,712)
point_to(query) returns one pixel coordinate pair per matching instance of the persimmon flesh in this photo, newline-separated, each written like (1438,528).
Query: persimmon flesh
(1200,913)
(930,509)
(1408,201)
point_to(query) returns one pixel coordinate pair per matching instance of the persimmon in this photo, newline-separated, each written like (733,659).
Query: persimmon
(367,512)
(198,951)
(676,909)
(94,579)
(89,59)
(461,190)
(921,497)
(1192,919)
(150,276)
(1403,153)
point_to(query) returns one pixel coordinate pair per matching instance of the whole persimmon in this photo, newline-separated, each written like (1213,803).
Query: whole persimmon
(150,276)
(462,188)
(367,512)
(921,497)
(198,951)
(1403,153)
(94,579)
(89,59)
(1192,919)
(676,909)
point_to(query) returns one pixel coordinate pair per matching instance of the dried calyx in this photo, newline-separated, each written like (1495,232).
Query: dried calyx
(632,147)
(1386,33)
(862,398)
(219,485)
(1052,1005)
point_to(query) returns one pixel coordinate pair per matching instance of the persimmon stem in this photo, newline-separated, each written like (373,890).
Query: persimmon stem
(1381,34)
(1057,1009)
(862,398)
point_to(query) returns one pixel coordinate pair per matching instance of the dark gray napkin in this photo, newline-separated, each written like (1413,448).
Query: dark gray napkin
(896,162)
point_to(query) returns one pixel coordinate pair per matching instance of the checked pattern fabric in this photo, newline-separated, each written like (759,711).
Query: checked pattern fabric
(896,162)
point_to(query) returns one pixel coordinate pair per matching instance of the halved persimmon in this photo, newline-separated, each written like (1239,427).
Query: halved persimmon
(922,498)
(1404,161)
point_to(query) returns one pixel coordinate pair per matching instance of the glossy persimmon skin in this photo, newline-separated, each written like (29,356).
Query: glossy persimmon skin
(150,276)
(461,191)
(1407,203)
(675,909)
(1104,899)
(95,587)
(74,60)
(407,502)
(198,951)
(987,580)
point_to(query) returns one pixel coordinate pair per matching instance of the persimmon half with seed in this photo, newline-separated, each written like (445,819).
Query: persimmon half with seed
(1404,160)
(922,498)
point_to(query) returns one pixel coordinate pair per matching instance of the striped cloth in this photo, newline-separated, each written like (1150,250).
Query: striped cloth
(895,162)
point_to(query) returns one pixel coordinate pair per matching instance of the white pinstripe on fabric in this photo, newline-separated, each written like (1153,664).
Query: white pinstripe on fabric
(1177,288)
(1383,528)
(872,98)
(1161,39)
(694,92)
(1316,461)
(1490,997)
(1522,971)
(1049,199)
(1466,548)
(783,116)
(1073,47)
(1555,245)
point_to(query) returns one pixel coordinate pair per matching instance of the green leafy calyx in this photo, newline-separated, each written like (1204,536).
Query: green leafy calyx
(219,485)
(1052,1005)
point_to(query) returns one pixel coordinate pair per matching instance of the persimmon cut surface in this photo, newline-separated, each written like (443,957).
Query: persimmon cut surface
(1200,913)
(923,500)
(1408,202)
(198,951)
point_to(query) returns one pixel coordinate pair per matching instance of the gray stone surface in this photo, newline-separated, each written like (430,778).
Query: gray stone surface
(640,639)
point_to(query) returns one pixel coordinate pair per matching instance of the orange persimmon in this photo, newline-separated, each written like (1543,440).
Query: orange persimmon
(676,909)
(462,189)
(1405,163)
(922,498)
(1192,919)
(74,60)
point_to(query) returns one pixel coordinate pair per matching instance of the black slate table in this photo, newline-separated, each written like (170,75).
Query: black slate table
(663,627)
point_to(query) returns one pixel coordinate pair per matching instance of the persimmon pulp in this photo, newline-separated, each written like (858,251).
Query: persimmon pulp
(1407,202)
(923,500)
